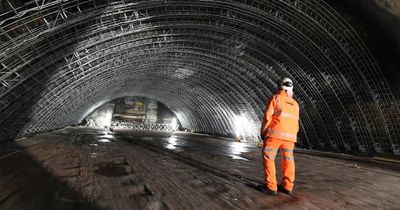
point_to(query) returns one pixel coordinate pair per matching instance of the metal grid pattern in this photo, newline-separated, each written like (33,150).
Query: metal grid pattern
(208,61)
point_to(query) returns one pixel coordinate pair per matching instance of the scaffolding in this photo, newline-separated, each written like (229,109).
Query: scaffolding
(208,61)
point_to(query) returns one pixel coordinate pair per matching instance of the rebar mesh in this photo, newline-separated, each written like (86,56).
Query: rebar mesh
(208,61)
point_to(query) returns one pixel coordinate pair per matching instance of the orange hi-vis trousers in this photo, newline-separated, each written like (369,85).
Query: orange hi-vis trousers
(270,148)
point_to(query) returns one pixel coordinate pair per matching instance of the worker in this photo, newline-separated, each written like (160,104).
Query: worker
(279,132)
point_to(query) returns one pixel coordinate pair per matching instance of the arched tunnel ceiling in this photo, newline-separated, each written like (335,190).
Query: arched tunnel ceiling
(392,7)
(208,61)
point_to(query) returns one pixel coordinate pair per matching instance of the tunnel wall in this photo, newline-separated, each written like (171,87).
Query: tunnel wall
(210,62)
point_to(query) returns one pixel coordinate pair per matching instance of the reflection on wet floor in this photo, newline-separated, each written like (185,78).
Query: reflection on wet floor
(236,149)
(104,140)
(107,135)
(172,143)
(185,143)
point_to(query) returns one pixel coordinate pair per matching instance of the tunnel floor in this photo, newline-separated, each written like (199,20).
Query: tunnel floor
(82,168)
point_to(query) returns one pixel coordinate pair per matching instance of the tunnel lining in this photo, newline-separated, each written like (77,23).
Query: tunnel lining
(371,124)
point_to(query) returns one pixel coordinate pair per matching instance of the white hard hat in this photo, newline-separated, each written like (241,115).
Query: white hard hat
(285,84)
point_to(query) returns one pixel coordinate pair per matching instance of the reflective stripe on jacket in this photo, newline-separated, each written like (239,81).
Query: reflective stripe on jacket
(281,117)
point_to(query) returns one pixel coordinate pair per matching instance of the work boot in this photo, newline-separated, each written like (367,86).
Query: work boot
(282,189)
(266,190)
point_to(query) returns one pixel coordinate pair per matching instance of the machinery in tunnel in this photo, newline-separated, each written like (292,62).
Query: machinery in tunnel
(212,62)
(134,113)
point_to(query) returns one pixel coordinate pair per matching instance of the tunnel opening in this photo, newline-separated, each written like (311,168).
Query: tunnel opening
(136,113)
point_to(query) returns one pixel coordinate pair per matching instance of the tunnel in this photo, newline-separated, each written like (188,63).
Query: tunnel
(210,62)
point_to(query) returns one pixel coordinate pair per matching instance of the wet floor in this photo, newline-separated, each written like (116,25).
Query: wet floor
(182,142)
(81,168)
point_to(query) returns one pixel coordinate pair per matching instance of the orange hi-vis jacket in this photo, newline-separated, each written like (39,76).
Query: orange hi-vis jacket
(281,117)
